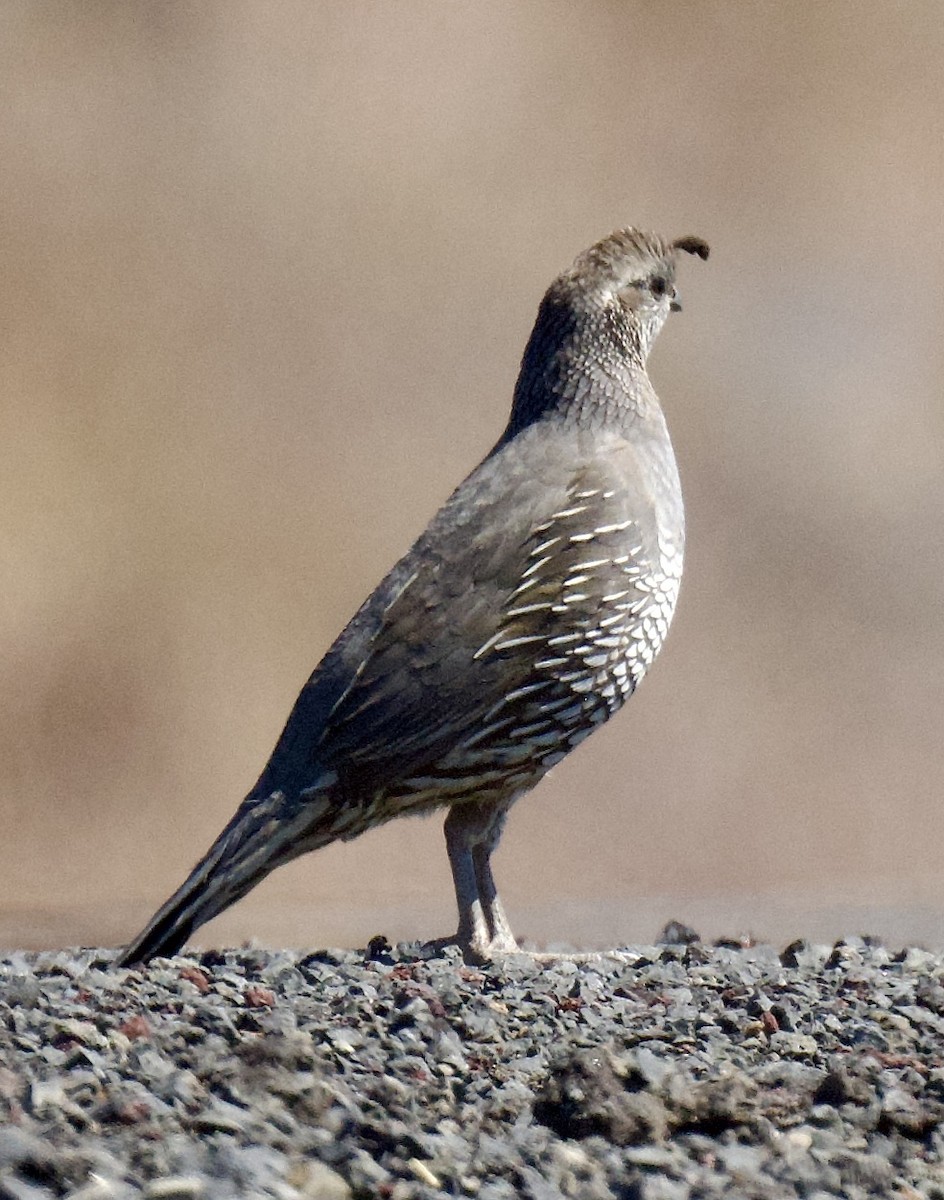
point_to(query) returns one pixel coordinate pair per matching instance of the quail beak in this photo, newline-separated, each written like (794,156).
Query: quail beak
(676,304)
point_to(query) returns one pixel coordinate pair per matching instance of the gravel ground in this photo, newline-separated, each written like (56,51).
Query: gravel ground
(666,1072)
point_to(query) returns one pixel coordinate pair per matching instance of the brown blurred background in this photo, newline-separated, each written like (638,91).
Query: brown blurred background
(267,271)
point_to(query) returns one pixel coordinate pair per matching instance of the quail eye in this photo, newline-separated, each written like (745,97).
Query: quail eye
(658,286)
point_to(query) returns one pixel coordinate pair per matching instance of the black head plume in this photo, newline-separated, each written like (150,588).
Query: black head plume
(692,245)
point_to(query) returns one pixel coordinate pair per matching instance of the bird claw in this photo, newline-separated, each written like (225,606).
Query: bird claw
(476,951)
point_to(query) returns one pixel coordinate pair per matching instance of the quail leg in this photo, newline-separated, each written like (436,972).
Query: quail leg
(472,833)
(503,940)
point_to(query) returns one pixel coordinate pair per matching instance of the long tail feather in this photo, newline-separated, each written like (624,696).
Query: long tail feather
(264,833)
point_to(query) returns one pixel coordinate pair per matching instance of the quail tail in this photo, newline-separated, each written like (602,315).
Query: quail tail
(265,832)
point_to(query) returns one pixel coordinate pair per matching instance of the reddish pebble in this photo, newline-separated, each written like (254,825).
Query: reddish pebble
(195,976)
(135,1027)
(259,997)
(133,1112)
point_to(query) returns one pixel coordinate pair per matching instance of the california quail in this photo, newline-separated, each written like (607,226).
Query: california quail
(520,620)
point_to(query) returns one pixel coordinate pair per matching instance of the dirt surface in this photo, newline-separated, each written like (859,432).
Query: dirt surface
(658,1073)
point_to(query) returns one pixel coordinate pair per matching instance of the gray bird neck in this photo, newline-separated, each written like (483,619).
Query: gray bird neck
(586,367)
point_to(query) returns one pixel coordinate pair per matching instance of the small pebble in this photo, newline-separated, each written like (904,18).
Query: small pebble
(179,1187)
